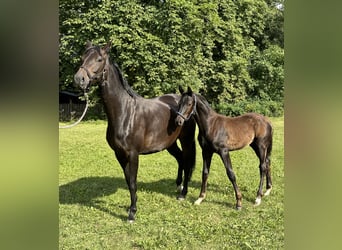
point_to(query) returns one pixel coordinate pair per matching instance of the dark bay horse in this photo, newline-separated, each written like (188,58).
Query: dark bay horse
(221,134)
(137,125)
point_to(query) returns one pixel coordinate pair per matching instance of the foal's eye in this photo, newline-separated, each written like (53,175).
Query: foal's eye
(99,59)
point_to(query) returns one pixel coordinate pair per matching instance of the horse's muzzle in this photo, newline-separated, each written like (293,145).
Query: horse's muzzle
(81,80)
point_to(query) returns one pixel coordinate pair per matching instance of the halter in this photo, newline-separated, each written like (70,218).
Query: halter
(192,112)
(96,75)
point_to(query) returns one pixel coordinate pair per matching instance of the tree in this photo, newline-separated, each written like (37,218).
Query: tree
(230,51)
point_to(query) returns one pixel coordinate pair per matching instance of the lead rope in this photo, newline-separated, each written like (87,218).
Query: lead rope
(80,119)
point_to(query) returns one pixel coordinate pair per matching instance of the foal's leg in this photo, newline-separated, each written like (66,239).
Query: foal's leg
(261,152)
(224,153)
(207,155)
(268,142)
(175,151)
(268,174)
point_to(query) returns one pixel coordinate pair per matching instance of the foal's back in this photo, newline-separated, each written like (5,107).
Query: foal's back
(242,130)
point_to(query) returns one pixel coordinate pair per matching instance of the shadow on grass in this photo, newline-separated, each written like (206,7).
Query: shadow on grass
(86,191)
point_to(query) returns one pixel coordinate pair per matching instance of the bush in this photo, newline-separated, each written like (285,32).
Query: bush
(264,107)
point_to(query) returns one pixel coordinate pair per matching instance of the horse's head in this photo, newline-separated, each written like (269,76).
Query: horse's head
(94,61)
(186,106)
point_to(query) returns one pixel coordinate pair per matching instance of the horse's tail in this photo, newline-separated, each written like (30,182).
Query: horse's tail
(189,130)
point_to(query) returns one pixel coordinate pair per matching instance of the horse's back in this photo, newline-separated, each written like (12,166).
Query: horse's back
(169,99)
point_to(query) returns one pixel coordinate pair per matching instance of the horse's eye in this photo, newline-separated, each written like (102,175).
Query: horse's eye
(99,59)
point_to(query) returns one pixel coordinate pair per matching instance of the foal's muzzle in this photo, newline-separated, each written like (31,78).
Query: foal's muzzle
(179,120)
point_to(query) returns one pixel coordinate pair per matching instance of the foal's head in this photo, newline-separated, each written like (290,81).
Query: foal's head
(93,65)
(186,106)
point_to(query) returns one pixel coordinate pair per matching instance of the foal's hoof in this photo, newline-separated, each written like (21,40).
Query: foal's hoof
(238,208)
(268,191)
(199,201)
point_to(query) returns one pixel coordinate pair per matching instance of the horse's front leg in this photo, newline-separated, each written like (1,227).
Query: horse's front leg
(207,155)
(131,172)
(224,153)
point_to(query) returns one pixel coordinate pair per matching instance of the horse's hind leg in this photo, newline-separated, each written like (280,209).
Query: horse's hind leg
(175,151)
(189,158)
(187,140)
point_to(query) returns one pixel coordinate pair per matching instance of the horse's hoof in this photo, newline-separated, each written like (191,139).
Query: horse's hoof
(179,188)
(131,217)
(130,221)
(181,197)
(238,208)
(257,201)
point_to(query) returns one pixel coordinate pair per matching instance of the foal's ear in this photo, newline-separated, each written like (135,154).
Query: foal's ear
(181,90)
(89,44)
(107,47)
(189,91)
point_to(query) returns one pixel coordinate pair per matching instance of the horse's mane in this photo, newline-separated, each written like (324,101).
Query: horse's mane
(124,83)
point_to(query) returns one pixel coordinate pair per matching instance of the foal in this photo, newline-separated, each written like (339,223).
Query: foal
(221,134)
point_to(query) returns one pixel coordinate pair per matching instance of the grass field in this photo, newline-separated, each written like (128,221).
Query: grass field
(94,199)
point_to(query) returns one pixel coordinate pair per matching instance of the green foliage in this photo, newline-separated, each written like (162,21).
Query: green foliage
(229,51)
(265,107)
(93,199)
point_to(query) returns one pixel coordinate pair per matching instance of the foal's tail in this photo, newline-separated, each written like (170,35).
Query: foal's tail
(270,138)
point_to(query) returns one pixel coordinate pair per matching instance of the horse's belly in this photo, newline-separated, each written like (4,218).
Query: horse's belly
(157,144)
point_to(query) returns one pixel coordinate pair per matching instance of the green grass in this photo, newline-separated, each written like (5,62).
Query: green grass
(94,199)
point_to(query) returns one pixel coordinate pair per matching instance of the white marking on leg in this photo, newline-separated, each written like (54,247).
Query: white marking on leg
(199,200)
(257,201)
(268,191)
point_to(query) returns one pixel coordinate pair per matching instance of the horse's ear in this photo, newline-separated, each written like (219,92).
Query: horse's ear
(89,44)
(189,91)
(107,47)
(181,90)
